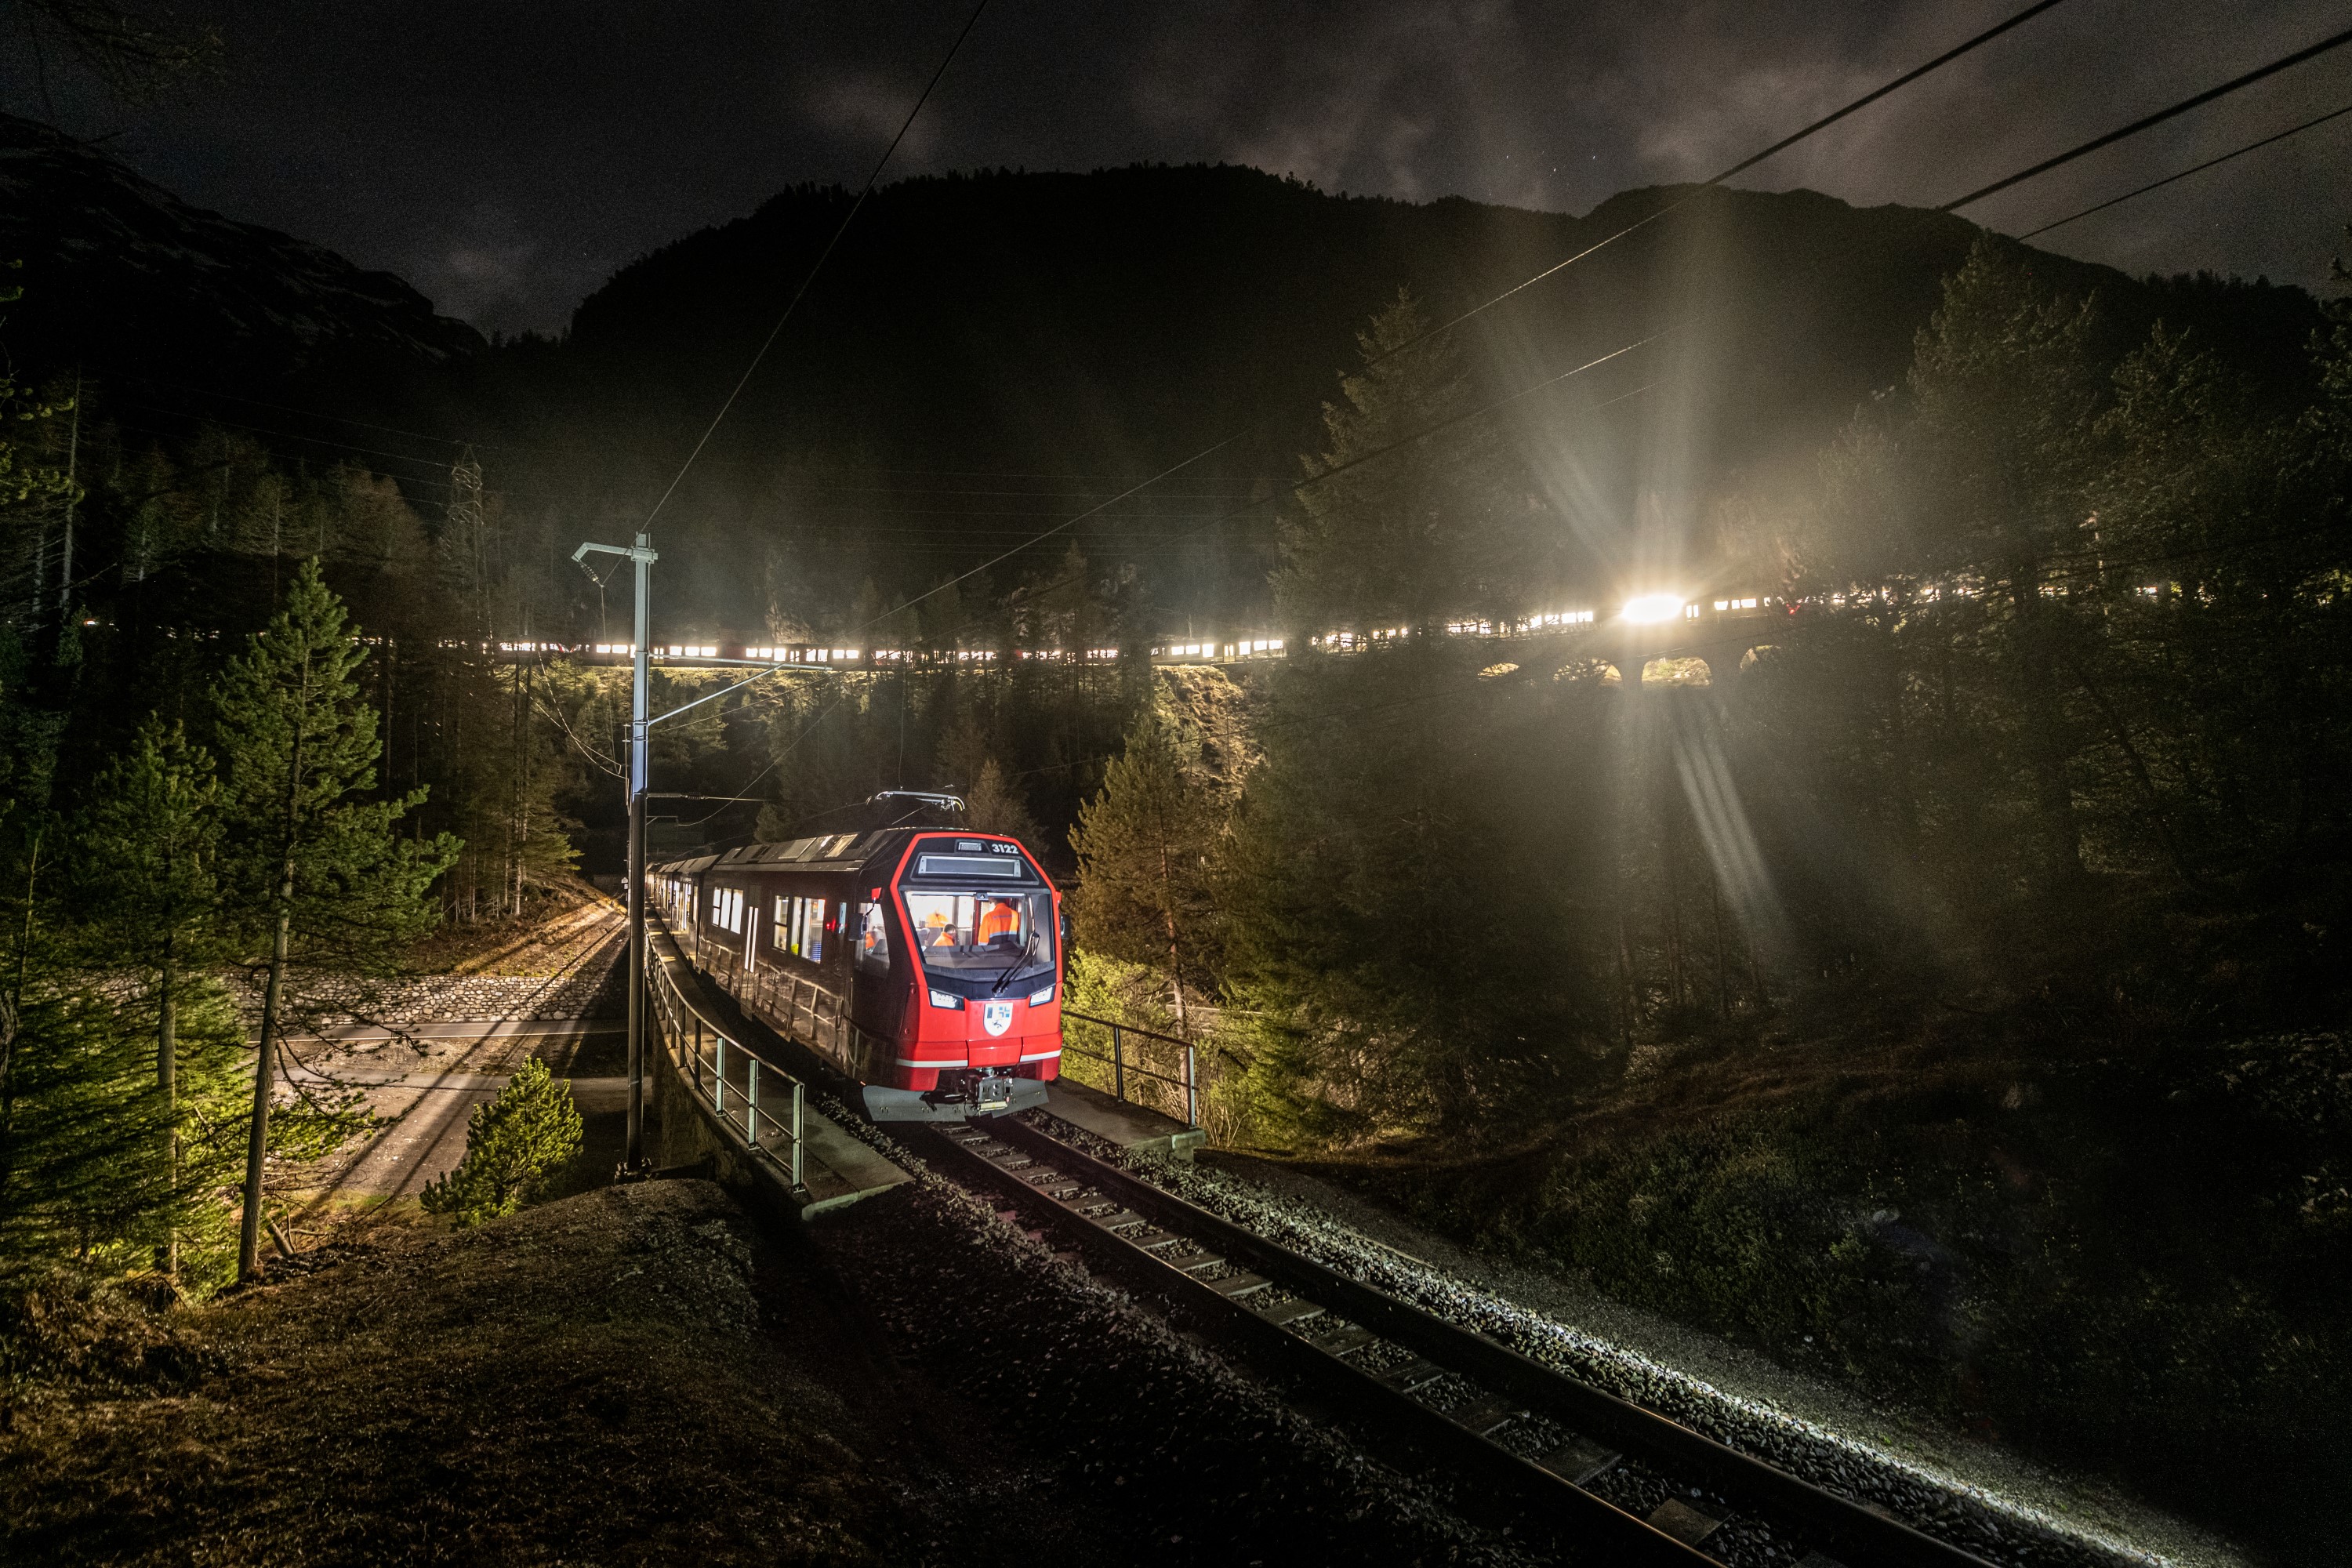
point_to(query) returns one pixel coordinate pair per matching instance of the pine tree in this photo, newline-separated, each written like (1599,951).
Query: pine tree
(1414,535)
(1147,850)
(511,1144)
(316,865)
(994,805)
(148,849)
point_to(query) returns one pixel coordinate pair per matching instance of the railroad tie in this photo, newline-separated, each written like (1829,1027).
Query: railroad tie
(1486,1416)
(1579,1462)
(1414,1373)
(1240,1285)
(1298,1310)
(1194,1265)
(1344,1340)
(1687,1524)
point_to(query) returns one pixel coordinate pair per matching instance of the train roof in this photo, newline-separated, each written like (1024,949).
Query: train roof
(834,852)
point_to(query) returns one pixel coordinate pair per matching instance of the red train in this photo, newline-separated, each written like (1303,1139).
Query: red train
(924,965)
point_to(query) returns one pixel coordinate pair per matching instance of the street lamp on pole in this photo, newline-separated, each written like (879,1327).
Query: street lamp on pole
(642,556)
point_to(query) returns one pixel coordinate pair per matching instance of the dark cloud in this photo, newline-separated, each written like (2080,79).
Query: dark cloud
(507,158)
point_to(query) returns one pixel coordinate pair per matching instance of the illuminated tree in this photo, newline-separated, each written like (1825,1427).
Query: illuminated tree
(1147,850)
(511,1144)
(320,875)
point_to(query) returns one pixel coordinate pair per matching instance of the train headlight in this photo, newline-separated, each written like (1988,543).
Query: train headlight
(942,999)
(1652,609)
(1039,998)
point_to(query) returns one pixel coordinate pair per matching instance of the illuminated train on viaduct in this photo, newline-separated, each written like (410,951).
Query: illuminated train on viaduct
(934,959)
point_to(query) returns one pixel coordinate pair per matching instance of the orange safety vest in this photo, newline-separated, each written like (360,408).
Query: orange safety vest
(1001,919)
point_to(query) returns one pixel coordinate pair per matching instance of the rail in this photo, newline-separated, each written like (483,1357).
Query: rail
(1190,1083)
(1315,1319)
(699,1040)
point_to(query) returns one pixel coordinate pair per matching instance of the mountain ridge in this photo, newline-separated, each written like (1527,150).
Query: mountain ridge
(123,276)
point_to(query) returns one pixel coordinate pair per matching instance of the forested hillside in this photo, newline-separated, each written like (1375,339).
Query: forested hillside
(985,354)
(1945,993)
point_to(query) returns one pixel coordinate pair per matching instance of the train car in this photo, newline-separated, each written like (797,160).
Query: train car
(927,964)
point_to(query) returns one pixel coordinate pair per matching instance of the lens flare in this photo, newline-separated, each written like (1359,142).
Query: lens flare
(1650,609)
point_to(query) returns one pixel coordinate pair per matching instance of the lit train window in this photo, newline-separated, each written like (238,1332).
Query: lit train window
(873,939)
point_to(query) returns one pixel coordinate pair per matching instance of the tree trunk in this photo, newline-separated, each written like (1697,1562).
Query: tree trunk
(167,1080)
(11,1008)
(249,1243)
(249,1246)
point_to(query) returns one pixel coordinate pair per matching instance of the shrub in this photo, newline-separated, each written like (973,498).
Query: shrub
(510,1145)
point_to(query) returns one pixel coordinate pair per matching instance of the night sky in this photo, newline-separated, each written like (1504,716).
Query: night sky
(506,158)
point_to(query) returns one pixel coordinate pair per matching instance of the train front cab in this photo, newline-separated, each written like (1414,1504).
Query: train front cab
(963,935)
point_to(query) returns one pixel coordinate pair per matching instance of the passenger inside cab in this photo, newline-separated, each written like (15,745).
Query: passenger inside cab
(1002,923)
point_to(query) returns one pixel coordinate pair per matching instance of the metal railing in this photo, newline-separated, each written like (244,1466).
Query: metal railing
(800,1006)
(794,1004)
(705,1047)
(1190,1084)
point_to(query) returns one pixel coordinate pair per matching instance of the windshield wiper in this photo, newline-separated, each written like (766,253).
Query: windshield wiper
(1015,967)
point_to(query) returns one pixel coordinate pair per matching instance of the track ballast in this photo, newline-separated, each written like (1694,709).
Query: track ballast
(1529,1448)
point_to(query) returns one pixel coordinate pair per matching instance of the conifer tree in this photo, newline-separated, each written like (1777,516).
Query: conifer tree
(994,805)
(149,846)
(512,1144)
(1417,533)
(318,869)
(1146,848)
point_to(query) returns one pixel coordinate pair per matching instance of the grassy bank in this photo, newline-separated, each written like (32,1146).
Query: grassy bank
(588,1382)
(2125,1261)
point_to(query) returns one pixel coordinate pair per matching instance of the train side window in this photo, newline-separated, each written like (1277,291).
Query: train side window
(873,939)
(812,930)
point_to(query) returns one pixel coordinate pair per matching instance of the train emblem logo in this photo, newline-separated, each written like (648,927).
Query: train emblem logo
(996,1018)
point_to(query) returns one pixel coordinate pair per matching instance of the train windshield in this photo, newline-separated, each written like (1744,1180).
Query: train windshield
(983,935)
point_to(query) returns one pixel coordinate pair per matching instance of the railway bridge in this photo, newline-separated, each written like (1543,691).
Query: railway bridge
(1654,639)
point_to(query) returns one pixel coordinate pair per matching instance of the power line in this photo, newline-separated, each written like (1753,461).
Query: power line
(798,294)
(2158,117)
(2192,169)
(1946,57)
(1315,479)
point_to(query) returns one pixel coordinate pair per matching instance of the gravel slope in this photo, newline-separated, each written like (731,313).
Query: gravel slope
(1983,1499)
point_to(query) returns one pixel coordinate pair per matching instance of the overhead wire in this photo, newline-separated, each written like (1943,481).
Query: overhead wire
(823,256)
(2031,172)
(2192,169)
(1694,192)
(1985,36)
(2149,122)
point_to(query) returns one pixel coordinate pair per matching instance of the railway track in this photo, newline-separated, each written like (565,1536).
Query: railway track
(1527,1446)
